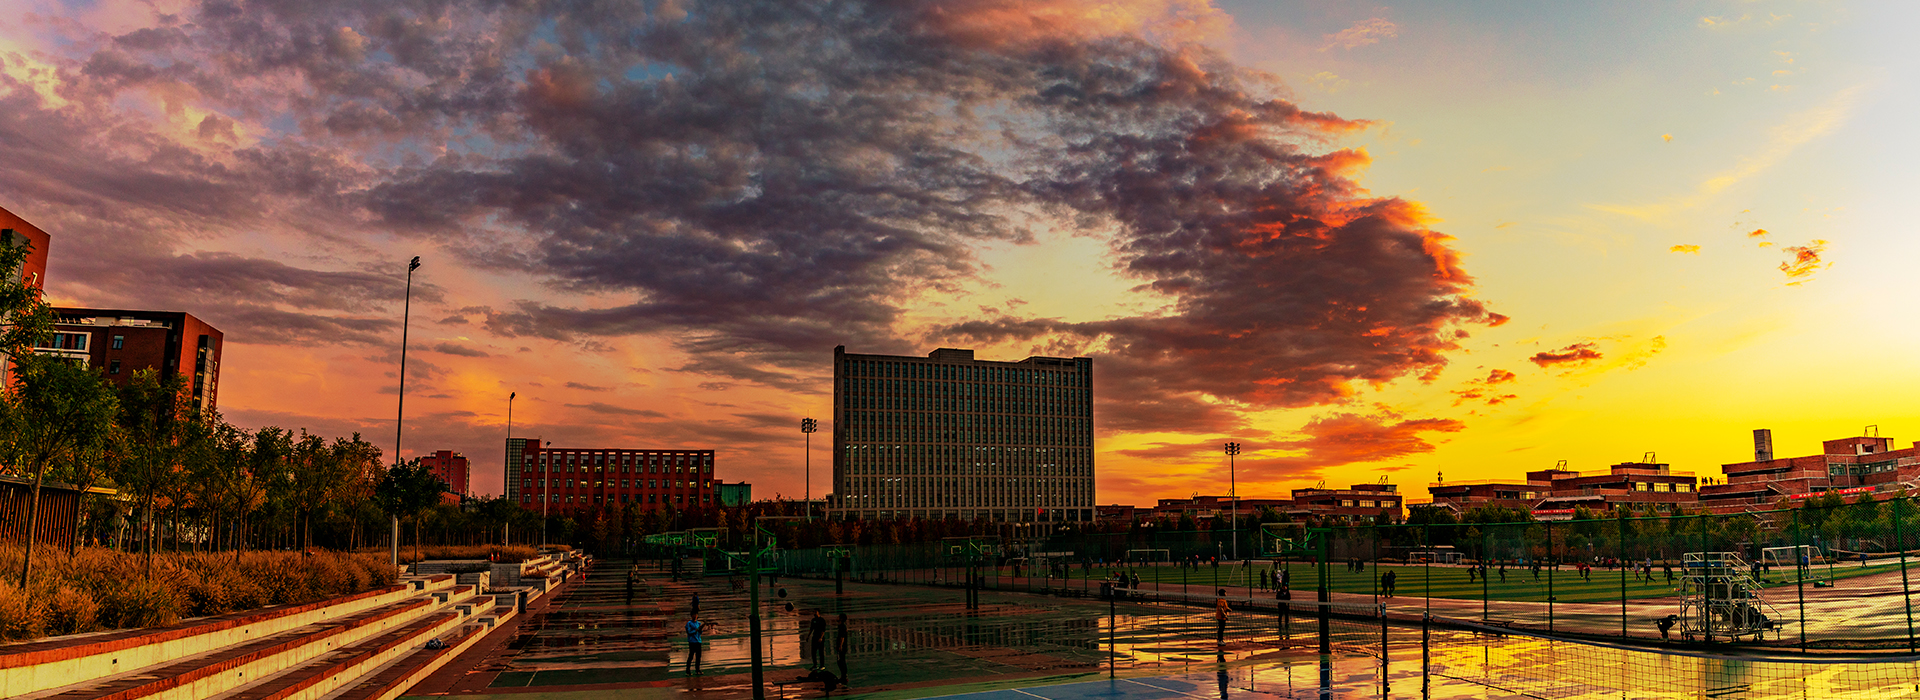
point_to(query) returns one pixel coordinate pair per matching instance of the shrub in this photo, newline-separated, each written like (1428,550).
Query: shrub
(106,589)
(71,611)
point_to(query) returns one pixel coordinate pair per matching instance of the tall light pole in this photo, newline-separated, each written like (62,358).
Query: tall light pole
(807,426)
(507,529)
(399,421)
(1233,490)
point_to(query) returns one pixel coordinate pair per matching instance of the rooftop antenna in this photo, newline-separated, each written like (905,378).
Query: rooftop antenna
(1562,464)
(1439,476)
(1320,484)
(1383,478)
(1871,431)
(1648,457)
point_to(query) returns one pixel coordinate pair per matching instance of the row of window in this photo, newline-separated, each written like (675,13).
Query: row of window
(624,483)
(1076,406)
(965,373)
(597,499)
(866,426)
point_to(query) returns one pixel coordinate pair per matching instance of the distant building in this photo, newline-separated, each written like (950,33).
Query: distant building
(451,468)
(1554,494)
(735,495)
(517,450)
(1352,504)
(1848,466)
(121,342)
(947,436)
(576,480)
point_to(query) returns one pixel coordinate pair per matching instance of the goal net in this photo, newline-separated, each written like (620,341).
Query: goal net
(1149,556)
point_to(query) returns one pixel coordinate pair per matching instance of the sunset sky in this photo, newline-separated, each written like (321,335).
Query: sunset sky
(1365,240)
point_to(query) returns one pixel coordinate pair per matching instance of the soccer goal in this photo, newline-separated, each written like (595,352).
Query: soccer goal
(1149,556)
(1782,561)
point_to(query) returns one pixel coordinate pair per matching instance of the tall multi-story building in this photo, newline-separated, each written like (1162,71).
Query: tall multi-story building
(450,468)
(574,480)
(517,450)
(949,436)
(121,342)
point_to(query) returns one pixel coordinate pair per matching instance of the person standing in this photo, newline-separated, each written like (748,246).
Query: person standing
(1220,610)
(817,639)
(840,643)
(694,645)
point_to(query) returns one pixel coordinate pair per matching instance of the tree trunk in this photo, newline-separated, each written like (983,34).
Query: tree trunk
(33,521)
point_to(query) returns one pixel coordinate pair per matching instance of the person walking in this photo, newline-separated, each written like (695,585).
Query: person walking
(1387,582)
(817,638)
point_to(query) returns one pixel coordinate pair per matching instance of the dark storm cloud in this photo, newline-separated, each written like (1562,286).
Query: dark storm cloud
(766,179)
(460,350)
(612,410)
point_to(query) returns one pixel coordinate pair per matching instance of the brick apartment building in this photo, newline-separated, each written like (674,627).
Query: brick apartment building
(121,342)
(1849,465)
(450,468)
(585,479)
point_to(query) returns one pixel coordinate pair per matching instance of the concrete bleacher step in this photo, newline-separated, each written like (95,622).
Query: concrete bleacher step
(391,662)
(200,675)
(34,667)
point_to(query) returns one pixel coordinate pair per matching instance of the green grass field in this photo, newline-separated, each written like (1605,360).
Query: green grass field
(1452,582)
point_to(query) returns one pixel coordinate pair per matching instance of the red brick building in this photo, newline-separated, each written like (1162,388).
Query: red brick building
(1850,465)
(121,342)
(17,231)
(450,468)
(1553,494)
(582,479)
(1352,504)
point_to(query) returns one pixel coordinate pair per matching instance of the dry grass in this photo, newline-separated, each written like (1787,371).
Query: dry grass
(101,589)
(441,553)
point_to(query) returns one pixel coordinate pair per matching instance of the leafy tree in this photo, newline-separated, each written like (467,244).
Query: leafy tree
(406,491)
(154,413)
(26,319)
(59,415)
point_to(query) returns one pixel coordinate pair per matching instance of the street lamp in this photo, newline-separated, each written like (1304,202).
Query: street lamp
(807,426)
(399,421)
(1233,490)
(507,529)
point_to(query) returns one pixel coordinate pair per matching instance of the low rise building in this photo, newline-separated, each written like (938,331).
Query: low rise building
(1850,465)
(576,480)
(1359,502)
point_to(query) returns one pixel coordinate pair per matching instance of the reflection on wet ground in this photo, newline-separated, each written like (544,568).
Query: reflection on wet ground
(913,641)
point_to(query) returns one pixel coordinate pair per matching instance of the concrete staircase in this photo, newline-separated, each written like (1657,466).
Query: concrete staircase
(371,645)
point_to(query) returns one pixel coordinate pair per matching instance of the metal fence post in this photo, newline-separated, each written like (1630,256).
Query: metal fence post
(1621,551)
(1800,579)
(1553,563)
(1900,541)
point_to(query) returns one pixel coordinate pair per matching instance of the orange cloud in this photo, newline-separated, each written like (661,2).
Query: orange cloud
(1688,249)
(1805,262)
(1573,355)
(1667,137)
(1366,32)
(1499,376)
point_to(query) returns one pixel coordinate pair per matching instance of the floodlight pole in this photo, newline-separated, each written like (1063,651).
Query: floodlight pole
(807,427)
(1233,491)
(400,409)
(507,528)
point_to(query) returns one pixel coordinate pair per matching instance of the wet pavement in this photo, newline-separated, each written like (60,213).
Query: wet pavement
(907,641)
